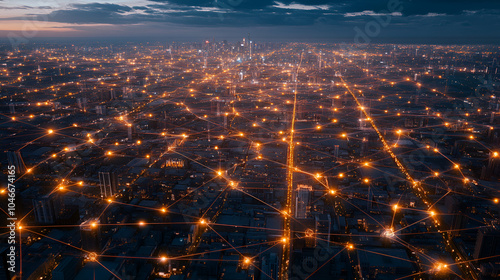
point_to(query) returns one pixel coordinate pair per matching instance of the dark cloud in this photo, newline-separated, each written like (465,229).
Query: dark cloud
(418,16)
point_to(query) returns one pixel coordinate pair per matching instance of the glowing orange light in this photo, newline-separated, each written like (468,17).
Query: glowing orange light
(50,131)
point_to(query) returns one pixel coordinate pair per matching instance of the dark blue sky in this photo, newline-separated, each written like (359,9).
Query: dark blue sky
(316,20)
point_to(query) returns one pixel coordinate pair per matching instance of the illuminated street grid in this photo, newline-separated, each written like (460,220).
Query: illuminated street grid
(220,160)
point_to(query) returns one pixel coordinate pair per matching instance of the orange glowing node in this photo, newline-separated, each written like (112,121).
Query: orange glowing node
(341,175)
(138,142)
(141,223)
(284,239)
(80,183)
(109,153)
(495,154)
(163,259)
(432,213)
(50,131)
(164,210)
(247,260)
(366,180)
(332,192)
(203,222)
(395,207)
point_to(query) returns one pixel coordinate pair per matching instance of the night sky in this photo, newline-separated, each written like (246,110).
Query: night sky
(440,21)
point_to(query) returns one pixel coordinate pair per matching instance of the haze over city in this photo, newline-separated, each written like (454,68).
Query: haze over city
(252,140)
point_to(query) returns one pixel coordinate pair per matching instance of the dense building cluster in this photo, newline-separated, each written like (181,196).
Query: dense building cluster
(249,160)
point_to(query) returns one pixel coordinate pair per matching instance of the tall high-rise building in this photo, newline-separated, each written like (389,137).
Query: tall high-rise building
(15,158)
(108,183)
(91,235)
(302,201)
(487,244)
(270,267)
(323,224)
(47,208)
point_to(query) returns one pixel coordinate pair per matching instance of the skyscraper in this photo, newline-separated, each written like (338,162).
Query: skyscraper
(302,201)
(91,235)
(108,183)
(47,208)
(15,158)
(323,224)
(487,244)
